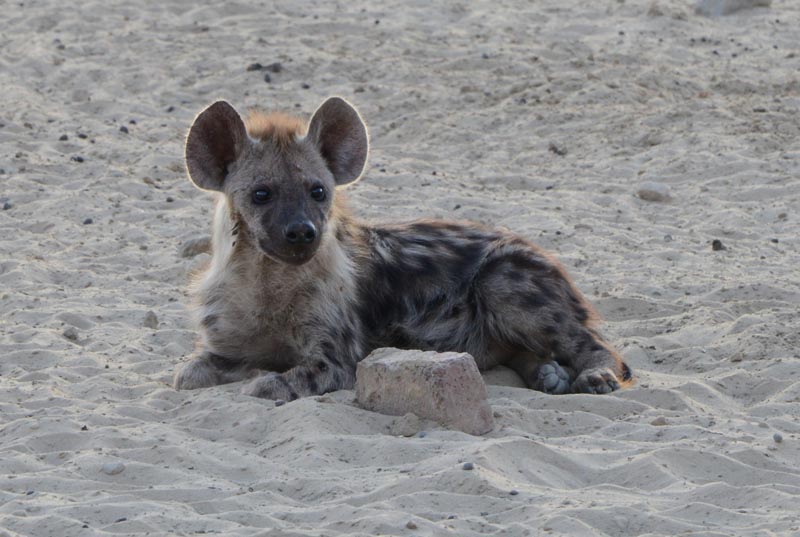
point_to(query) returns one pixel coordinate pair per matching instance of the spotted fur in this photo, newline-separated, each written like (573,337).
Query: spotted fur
(295,322)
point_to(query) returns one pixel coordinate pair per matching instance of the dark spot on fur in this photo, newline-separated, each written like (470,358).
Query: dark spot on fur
(627,374)
(311,380)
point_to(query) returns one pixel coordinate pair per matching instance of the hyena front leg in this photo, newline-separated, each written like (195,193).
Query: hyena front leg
(532,307)
(327,369)
(209,369)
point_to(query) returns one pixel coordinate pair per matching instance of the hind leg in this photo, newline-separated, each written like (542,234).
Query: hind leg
(544,376)
(529,304)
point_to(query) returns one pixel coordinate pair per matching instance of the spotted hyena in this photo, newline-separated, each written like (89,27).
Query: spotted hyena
(298,290)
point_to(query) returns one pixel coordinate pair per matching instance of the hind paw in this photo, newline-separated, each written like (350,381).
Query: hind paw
(551,378)
(599,380)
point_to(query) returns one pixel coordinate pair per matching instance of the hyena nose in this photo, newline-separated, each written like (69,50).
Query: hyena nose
(300,232)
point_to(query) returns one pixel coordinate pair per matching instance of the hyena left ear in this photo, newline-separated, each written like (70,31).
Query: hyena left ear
(339,133)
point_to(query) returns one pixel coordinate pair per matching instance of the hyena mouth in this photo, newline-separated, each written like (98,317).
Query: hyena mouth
(296,257)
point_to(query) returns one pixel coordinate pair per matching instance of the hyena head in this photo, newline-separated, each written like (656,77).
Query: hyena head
(279,176)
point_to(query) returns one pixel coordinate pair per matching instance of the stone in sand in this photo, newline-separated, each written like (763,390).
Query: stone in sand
(716,8)
(445,387)
(651,191)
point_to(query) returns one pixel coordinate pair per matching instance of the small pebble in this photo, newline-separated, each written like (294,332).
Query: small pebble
(84,428)
(170,109)
(275,67)
(123,129)
(774,241)
(279,402)
(71,333)
(82,136)
(558,149)
(255,67)
(652,191)
(123,519)
(87,221)
(77,158)
(513,492)
(267,78)
(150,320)
(422,434)
(7,205)
(778,437)
(30,493)
(717,245)
(170,199)
(484,513)
(468,466)
(305,86)
(113,468)
(659,421)
(63,138)
(410,525)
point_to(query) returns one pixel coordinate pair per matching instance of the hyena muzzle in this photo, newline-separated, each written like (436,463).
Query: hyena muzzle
(298,291)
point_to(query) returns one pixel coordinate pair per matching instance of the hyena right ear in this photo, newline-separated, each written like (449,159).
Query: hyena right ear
(216,138)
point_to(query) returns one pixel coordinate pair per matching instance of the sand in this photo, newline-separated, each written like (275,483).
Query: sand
(545,117)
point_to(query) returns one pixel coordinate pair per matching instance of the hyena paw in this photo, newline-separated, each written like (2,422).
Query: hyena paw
(195,374)
(551,378)
(269,386)
(599,380)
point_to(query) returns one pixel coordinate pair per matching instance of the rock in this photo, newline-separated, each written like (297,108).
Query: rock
(150,320)
(194,247)
(7,205)
(659,421)
(717,245)
(468,466)
(71,333)
(445,387)
(255,67)
(716,8)
(410,525)
(651,191)
(113,468)
(407,426)
(778,437)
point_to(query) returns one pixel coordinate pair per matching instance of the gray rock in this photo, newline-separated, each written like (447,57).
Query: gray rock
(651,191)
(716,8)
(778,437)
(444,387)
(194,247)
(113,468)
(71,333)
(150,320)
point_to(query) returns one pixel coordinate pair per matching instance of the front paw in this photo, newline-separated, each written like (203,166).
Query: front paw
(270,386)
(195,374)
(599,380)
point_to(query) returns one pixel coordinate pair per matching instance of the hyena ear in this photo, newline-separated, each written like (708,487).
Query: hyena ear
(215,140)
(339,133)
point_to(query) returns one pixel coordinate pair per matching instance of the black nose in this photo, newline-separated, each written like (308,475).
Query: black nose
(300,232)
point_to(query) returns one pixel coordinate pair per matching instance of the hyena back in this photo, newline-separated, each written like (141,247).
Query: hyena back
(298,291)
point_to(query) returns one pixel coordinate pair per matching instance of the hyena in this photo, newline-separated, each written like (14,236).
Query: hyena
(298,290)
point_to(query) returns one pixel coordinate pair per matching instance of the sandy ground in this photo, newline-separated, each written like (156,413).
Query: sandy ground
(544,117)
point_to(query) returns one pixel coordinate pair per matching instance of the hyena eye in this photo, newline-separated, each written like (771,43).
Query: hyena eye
(261,196)
(318,193)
